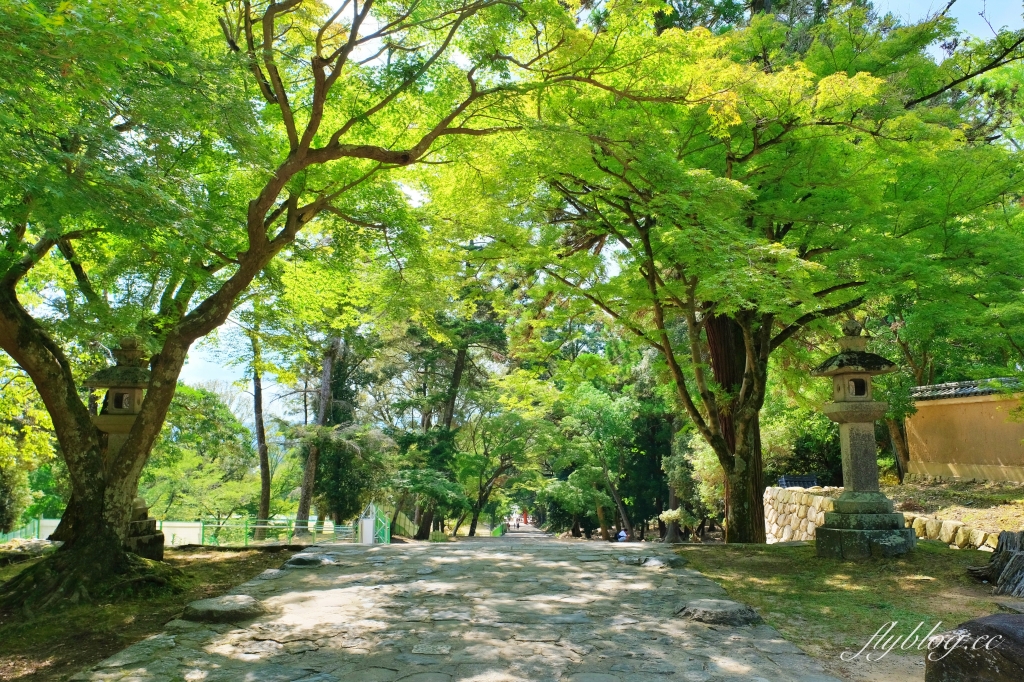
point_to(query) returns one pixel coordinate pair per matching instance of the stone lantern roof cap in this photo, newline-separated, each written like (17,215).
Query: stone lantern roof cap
(119,376)
(854,362)
(129,372)
(853,357)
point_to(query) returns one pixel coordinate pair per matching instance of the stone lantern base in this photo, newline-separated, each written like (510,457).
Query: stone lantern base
(863,525)
(143,537)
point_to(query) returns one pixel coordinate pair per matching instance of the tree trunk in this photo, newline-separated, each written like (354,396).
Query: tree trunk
(626,524)
(398,508)
(604,524)
(453,391)
(261,439)
(899,446)
(313,459)
(576,532)
(1005,569)
(426,523)
(458,524)
(104,471)
(744,487)
(473,522)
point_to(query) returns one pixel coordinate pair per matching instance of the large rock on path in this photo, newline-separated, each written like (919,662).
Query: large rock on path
(226,609)
(988,649)
(719,612)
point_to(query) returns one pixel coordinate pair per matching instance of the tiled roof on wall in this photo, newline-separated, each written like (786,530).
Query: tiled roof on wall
(965,389)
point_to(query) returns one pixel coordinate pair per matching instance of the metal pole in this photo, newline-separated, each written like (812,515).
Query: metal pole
(245,533)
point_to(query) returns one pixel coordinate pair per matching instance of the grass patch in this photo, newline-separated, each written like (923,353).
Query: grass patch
(54,646)
(827,606)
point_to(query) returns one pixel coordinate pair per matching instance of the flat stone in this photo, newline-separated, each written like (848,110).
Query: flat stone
(139,652)
(657,668)
(424,571)
(593,677)
(537,636)
(307,561)
(179,625)
(226,609)
(270,574)
(577,618)
(372,675)
(587,558)
(662,562)
(426,677)
(634,560)
(432,649)
(719,612)
(272,672)
(449,615)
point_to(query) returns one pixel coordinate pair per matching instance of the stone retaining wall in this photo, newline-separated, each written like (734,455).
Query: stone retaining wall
(953,533)
(794,514)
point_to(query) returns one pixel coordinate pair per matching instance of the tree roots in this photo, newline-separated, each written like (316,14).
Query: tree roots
(71,577)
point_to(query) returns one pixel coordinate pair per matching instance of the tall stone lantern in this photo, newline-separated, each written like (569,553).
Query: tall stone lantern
(863,523)
(115,416)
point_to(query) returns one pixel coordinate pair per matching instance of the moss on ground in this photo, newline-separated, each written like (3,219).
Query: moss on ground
(54,646)
(828,606)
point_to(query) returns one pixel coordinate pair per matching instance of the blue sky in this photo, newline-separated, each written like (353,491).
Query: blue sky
(999,13)
(204,365)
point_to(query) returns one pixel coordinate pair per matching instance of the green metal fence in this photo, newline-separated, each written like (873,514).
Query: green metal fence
(29,531)
(381,523)
(404,526)
(247,531)
(499,530)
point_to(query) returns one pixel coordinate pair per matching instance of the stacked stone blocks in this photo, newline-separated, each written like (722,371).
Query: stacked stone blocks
(796,514)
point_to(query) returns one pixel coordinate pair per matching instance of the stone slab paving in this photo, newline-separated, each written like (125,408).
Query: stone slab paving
(494,610)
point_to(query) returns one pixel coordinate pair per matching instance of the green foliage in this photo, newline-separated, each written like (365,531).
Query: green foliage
(354,465)
(526,316)
(26,444)
(431,485)
(51,490)
(801,441)
(708,487)
(202,465)
(14,497)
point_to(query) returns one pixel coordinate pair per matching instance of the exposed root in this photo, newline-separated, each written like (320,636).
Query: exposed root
(70,577)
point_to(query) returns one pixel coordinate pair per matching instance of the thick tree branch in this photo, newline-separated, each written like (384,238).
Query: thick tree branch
(806,319)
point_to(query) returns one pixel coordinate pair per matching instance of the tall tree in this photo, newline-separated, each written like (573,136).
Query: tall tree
(126,125)
(717,196)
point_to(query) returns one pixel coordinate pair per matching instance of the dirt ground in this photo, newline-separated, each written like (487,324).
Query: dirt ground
(990,507)
(54,646)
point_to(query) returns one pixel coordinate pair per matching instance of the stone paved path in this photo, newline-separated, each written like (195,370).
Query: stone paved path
(517,608)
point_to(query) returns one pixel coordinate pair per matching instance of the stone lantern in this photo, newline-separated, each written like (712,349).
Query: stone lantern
(863,523)
(115,416)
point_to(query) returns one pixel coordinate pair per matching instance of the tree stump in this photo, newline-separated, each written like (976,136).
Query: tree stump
(1005,570)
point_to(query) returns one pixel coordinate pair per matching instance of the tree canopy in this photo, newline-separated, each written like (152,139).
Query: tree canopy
(563,257)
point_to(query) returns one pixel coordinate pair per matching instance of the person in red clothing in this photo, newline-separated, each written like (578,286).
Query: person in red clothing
(526,518)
